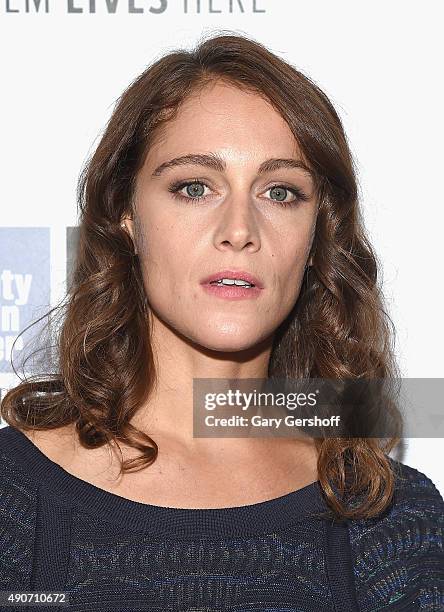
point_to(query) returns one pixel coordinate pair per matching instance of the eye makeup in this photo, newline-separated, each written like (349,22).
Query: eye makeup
(176,187)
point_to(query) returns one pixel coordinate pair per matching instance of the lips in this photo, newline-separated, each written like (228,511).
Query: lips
(235,274)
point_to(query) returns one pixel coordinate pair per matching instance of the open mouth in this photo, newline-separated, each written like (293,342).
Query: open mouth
(229,282)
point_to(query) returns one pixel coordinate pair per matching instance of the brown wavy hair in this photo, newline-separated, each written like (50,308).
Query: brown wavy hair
(338,328)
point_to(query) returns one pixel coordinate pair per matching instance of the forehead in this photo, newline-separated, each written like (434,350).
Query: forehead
(225,117)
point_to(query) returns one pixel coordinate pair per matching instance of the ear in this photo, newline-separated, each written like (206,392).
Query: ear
(127,225)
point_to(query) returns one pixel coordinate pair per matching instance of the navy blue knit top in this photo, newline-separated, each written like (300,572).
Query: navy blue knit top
(59,533)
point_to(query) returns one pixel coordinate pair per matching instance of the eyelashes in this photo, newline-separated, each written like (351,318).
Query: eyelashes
(175,189)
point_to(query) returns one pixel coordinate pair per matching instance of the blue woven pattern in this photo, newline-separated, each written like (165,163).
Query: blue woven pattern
(262,572)
(17,524)
(399,557)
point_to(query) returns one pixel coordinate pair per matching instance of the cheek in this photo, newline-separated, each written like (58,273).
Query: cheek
(291,267)
(292,250)
(166,265)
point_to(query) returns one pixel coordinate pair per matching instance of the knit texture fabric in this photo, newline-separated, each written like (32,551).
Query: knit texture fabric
(59,533)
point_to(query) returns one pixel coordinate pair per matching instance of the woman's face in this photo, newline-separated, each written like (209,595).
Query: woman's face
(239,220)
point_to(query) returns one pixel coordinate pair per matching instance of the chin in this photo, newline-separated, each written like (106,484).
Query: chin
(227,344)
(230,339)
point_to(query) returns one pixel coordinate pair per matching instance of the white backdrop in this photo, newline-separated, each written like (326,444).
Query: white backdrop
(64,65)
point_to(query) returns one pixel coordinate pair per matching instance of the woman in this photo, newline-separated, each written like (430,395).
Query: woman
(221,162)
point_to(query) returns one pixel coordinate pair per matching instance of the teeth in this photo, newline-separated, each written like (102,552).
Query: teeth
(232,281)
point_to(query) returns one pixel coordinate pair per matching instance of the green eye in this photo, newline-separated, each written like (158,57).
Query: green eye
(280,191)
(196,191)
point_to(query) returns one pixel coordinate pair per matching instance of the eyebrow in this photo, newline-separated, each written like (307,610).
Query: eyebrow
(214,161)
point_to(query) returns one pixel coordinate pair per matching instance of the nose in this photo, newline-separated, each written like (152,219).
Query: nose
(237,226)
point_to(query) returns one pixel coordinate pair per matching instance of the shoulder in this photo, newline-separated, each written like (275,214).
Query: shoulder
(415,497)
(399,556)
(18,511)
(16,483)
(413,484)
